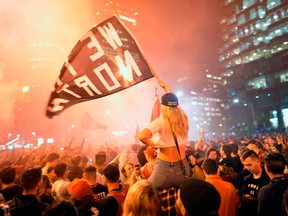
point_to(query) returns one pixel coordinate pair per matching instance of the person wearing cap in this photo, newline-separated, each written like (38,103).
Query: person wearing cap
(172,126)
(82,197)
(112,203)
(150,155)
(197,197)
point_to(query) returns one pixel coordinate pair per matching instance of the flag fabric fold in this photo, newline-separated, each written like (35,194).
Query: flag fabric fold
(156,109)
(136,136)
(89,123)
(104,61)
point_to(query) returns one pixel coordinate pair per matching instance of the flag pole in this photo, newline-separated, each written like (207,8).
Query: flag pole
(141,51)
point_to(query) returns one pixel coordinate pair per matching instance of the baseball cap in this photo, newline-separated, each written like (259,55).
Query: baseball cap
(79,189)
(199,197)
(111,172)
(169,99)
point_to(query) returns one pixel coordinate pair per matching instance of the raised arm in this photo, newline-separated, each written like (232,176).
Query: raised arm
(199,143)
(164,86)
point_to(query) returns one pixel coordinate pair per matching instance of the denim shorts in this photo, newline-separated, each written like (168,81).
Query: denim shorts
(167,174)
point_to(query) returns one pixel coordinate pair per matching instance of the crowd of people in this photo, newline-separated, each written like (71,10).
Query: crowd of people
(165,176)
(246,176)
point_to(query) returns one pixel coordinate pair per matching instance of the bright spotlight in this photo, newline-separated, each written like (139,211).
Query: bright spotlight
(236,100)
(25,88)
(50,140)
(179,94)
(40,141)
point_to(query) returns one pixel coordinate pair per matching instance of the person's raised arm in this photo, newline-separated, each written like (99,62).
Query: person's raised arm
(199,143)
(165,86)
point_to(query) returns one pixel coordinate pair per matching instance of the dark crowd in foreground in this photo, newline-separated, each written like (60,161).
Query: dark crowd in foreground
(229,176)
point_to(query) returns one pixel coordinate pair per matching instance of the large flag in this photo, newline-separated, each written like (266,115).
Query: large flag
(89,123)
(156,110)
(105,60)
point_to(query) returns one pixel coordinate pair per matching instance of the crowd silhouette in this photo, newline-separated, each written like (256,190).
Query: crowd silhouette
(169,176)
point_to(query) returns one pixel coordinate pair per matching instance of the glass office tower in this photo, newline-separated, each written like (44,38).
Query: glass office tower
(254,61)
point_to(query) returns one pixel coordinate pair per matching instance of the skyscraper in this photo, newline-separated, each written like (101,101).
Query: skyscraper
(254,59)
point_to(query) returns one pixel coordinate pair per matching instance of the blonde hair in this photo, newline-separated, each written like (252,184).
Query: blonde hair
(142,199)
(175,118)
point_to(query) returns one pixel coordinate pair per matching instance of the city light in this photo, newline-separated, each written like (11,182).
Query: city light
(179,94)
(236,100)
(25,89)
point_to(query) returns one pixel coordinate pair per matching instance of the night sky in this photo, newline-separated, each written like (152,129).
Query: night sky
(177,37)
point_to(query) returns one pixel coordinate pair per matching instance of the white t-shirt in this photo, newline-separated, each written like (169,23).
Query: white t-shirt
(164,140)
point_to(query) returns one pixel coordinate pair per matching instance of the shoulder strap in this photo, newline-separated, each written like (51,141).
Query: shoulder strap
(176,141)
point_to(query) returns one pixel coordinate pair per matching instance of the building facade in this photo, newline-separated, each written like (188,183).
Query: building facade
(254,61)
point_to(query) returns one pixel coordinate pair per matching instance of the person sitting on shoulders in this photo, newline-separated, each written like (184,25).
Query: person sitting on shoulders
(172,168)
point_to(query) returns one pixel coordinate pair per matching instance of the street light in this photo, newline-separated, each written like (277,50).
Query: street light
(237,100)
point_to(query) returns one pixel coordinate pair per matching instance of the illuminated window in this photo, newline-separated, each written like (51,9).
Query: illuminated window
(258,40)
(225,37)
(223,21)
(275,17)
(253,14)
(236,51)
(232,19)
(241,19)
(257,83)
(273,118)
(221,58)
(241,33)
(228,1)
(285,117)
(272,4)
(245,46)
(251,28)
(278,30)
(261,12)
(283,76)
(248,3)
(238,61)
(238,9)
